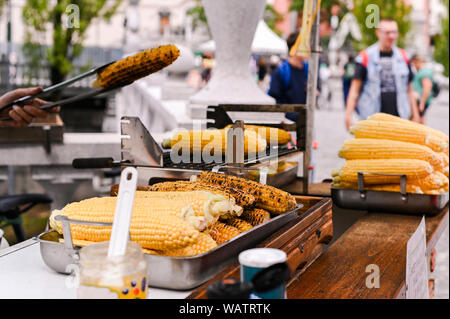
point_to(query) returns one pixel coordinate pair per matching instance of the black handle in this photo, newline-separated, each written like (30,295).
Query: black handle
(96,162)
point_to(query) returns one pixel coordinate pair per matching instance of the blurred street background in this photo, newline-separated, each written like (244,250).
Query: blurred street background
(45,42)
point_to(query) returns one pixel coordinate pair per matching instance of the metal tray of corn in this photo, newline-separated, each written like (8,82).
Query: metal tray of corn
(178,273)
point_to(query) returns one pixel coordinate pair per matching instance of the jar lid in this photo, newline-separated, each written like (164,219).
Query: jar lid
(261,257)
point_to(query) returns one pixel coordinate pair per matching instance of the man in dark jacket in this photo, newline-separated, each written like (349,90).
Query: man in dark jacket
(290,79)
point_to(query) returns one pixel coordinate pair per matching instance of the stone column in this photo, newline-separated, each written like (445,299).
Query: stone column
(233,24)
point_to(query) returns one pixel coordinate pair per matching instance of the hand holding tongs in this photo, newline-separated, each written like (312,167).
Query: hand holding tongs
(59,86)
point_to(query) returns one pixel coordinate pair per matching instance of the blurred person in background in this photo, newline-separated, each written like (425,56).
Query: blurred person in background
(289,80)
(262,69)
(349,73)
(422,84)
(22,116)
(382,80)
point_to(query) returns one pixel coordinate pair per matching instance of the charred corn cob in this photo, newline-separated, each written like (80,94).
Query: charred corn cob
(255,216)
(203,244)
(212,142)
(367,148)
(242,199)
(199,208)
(272,135)
(134,67)
(267,197)
(240,224)
(152,230)
(391,118)
(221,232)
(413,169)
(398,131)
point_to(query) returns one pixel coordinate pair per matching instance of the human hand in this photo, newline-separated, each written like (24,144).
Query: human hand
(23,115)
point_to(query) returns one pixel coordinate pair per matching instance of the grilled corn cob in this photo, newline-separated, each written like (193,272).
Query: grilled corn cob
(413,169)
(132,68)
(272,135)
(242,199)
(398,131)
(203,244)
(212,142)
(267,197)
(152,230)
(367,148)
(391,118)
(221,232)
(255,216)
(199,208)
(240,224)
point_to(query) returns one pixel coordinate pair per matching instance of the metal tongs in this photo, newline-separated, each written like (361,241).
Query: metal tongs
(73,99)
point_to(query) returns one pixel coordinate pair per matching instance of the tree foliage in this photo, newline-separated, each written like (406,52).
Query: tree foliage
(441,50)
(43,17)
(394,9)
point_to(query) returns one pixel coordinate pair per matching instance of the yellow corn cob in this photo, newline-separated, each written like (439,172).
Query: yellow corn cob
(240,224)
(255,216)
(221,232)
(212,142)
(272,135)
(203,244)
(398,131)
(367,148)
(134,67)
(267,197)
(413,169)
(435,180)
(410,188)
(199,208)
(242,199)
(391,118)
(151,230)
(83,243)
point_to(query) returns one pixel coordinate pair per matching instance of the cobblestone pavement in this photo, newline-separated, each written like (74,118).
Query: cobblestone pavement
(330,133)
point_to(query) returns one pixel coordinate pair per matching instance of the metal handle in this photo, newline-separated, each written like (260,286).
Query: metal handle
(402,182)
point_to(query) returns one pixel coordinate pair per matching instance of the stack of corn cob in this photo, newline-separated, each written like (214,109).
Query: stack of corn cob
(391,145)
(165,223)
(212,142)
(272,135)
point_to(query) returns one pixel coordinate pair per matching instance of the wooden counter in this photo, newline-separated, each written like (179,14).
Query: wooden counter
(376,238)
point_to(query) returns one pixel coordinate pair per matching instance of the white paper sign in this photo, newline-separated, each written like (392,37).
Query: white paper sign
(416,264)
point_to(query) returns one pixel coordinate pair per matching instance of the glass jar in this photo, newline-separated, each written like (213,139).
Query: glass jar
(121,277)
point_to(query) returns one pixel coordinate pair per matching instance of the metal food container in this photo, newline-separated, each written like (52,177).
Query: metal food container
(178,273)
(388,202)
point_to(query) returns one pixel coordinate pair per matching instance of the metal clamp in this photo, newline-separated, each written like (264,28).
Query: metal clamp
(402,183)
(68,242)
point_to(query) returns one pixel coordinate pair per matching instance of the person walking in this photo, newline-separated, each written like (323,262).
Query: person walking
(382,80)
(349,73)
(289,80)
(422,84)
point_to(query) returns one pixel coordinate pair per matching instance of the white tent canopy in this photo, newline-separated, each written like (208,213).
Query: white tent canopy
(265,42)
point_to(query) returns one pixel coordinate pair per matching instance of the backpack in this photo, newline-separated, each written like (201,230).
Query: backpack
(365,57)
(435,89)
(285,72)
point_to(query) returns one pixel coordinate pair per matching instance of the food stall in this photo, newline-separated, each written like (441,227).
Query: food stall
(194,218)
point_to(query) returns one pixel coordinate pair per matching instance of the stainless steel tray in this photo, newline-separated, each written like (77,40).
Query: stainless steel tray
(389,202)
(179,273)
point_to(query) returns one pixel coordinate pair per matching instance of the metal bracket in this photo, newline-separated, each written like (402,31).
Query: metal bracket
(402,184)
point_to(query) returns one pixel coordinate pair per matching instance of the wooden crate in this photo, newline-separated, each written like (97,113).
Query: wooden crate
(48,130)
